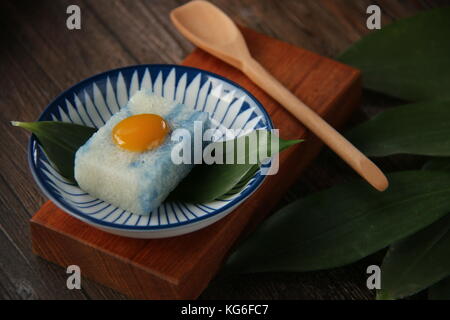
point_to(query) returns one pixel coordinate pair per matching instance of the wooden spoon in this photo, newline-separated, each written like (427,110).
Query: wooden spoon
(212,30)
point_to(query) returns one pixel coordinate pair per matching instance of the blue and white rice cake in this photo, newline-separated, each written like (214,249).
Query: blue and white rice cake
(133,181)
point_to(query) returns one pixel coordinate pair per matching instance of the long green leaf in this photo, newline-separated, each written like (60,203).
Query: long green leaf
(205,183)
(420,260)
(420,128)
(417,262)
(209,182)
(284,144)
(60,141)
(408,59)
(440,291)
(343,224)
(437,164)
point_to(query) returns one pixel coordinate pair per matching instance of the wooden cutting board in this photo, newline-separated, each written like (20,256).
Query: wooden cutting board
(181,267)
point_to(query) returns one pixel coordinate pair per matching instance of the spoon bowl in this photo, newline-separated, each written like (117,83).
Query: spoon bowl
(211,30)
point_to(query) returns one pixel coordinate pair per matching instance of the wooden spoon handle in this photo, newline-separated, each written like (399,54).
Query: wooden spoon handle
(355,158)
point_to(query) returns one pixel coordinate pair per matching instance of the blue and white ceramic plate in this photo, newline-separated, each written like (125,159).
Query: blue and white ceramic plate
(93,101)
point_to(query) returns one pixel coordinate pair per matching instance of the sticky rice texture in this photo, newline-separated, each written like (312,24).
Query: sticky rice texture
(137,182)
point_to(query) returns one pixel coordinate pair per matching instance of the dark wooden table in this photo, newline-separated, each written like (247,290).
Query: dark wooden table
(40,57)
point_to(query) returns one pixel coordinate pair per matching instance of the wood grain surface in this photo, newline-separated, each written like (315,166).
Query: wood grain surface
(39,58)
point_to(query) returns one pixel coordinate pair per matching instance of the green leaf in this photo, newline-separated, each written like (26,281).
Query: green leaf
(209,182)
(408,59)
(242,183)
(440,291)
(60,141)
(437,164)
(416,262)
(343,224)
(420,260)
(420,128)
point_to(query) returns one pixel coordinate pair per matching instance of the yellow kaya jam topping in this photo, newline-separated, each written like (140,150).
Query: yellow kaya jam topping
(140,132)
